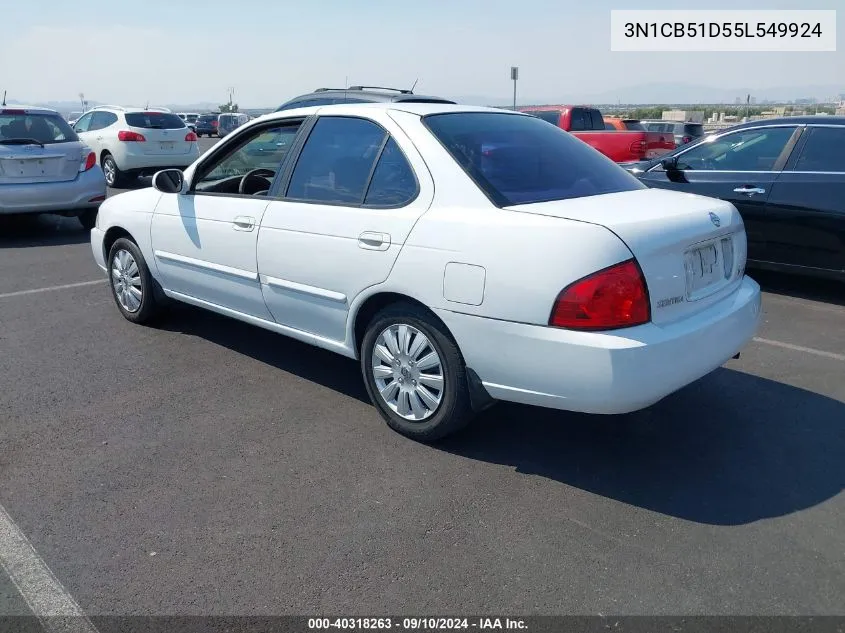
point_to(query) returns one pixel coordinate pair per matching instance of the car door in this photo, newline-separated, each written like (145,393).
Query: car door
(739,166)
(806,210)
(81,128)
(96,131)
(204,241)
(343,214)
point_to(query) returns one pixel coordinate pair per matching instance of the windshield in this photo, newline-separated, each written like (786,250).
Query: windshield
(518,159)
(44,128)
(154,120)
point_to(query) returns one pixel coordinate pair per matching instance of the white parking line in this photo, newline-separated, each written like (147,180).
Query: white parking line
(33,291)
(41,590)
(799,348)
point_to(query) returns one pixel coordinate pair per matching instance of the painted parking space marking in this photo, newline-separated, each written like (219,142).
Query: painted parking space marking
(800,348)
(37,585)
(32,291)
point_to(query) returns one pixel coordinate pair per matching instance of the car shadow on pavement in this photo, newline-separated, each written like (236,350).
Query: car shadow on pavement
(801,287)
(22,231)
(729,449)
(289,355)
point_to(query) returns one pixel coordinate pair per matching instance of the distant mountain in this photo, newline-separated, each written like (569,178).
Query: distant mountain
(664,93)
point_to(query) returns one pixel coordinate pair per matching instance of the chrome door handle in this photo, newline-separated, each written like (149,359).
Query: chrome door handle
(374,241)
(749,190)
(243,223)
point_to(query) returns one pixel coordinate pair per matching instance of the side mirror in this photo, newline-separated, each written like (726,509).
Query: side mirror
(170,181)
(670,164)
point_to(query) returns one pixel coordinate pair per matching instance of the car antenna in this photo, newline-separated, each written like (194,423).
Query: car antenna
(415,84)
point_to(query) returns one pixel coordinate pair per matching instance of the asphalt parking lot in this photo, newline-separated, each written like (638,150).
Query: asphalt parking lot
(208,467)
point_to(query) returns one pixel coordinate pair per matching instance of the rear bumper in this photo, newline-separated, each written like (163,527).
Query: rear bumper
(604,373)
(52,197)
(136,161)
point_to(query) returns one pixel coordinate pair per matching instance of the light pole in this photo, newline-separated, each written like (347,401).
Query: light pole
(514,77)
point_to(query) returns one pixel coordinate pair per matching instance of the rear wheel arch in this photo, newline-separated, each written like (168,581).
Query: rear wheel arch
(375,303)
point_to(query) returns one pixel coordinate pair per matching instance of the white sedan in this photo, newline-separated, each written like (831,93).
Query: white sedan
(464,255)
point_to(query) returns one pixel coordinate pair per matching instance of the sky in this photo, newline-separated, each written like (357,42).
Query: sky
(158,51)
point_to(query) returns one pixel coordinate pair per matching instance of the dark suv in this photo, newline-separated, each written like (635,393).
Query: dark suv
(358,94)
(684,132)
(207,124)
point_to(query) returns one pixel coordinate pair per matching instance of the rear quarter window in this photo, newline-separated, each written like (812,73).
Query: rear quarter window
(154,120)
(518,159)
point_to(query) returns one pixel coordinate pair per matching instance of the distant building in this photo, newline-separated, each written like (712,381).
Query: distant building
(692,116)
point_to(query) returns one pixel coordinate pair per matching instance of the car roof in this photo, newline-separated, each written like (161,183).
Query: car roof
(371,94)
(28,108)
(420,109)
(794,120)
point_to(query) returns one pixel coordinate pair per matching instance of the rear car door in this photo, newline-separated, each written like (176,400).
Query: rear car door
(806,210)
(357,189)
(99,123)
(739,166)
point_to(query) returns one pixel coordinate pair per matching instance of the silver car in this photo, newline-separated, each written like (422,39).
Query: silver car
(45,168)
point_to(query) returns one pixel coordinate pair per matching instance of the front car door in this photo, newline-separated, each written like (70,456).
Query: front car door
(806,210)
(204,241)
(81,127)
(739,166)
(341,217)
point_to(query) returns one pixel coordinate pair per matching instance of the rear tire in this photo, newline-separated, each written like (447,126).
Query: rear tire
(132,285)
(114,176)
(426,396)
(88,219)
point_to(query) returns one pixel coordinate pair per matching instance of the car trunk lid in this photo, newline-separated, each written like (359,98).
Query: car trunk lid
(55,162)
(691,249)
(164,133)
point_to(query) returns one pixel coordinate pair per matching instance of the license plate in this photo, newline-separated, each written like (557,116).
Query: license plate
(708,266)
(167,144)
(32,168)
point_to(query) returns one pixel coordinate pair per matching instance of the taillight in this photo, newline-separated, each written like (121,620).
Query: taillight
(214,124)
(616,297)
(639,148)
(125,135)
(190,136)
(89,162)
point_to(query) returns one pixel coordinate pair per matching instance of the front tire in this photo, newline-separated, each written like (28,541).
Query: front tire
(415,374)
(132,286)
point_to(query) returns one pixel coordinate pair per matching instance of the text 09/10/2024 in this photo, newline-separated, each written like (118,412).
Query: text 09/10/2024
(731,31)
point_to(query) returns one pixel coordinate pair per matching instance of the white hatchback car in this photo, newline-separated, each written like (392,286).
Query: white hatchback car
(463,255)
(132,141)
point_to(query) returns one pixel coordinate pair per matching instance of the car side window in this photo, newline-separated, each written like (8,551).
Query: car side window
(266,148)
(83,122)
(393,182)
(577,123)
(743,150)
(336,161)
(101,120)
(824,150)
(597,121)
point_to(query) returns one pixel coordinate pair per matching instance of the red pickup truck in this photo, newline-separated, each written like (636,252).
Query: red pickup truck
(588,125)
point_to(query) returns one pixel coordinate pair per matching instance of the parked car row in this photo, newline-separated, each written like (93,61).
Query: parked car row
(621,141)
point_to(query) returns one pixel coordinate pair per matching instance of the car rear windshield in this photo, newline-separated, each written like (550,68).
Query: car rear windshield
(207,117)
(549,116)
(694,129)
(518,159)
(45,128)
(154,120)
